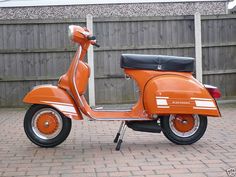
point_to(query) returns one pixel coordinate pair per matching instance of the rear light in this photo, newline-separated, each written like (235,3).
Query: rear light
(214,91)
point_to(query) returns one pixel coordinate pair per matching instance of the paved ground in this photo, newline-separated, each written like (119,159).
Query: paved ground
(89,151)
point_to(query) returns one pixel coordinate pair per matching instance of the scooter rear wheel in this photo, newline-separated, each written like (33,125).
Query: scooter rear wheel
(184,129)
(45,126)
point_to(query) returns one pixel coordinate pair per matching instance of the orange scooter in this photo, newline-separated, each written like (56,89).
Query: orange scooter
(171,100)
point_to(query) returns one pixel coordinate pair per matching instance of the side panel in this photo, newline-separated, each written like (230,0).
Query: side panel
(82,76)
(55,97)
(174,94)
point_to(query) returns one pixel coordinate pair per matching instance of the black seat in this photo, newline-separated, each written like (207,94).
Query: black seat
(157,62)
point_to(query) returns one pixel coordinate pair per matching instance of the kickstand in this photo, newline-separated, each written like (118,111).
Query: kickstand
(121,137)
(118,133)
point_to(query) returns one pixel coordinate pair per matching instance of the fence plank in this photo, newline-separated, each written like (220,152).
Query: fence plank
(35,52)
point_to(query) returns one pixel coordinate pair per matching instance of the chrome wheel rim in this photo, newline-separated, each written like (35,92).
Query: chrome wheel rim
(35,121)
(186,134)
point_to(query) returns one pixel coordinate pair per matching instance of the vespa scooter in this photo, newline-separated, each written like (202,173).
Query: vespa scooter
(170,100)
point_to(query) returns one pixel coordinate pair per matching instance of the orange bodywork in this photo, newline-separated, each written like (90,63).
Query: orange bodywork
(55,97)
(172,93)
(161,92)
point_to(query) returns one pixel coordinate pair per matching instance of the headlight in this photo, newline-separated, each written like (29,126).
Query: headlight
(71,31)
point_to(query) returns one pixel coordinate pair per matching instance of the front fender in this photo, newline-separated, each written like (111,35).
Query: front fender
(55,97)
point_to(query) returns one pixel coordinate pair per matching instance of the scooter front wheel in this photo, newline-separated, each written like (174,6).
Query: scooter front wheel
(45,126)
(184,129)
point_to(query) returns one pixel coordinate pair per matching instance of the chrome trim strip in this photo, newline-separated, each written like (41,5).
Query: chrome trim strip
(209,86)
(163,106)
(201,99)
(119,119)
(112,110)
(58,103)
(75,72)
(162,97)
(69,113)
(205,108)
(74,82)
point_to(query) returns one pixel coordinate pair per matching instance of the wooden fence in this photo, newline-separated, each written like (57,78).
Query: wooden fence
(34,52)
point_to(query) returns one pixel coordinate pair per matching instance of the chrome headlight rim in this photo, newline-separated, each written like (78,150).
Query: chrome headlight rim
(71,32)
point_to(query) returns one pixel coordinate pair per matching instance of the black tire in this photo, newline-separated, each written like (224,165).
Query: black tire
(181,140)
(62,134)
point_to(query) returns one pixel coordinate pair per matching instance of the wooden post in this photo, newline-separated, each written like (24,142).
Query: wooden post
(198,45)
(90,55)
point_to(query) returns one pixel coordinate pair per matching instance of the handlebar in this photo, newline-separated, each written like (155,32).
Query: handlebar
(93,38)
(97,45)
